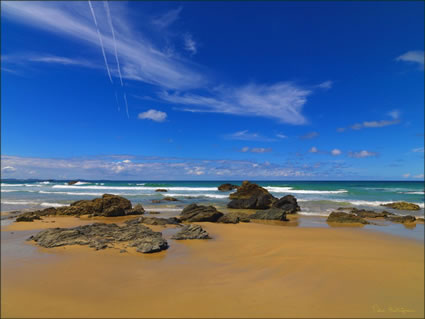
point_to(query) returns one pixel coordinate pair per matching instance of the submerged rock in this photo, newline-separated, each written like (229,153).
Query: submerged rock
(170,199)
(227,187)
(161,190)
(341,217)
(195,213)
(270,214)
(288,203)
(402,206)
(191,232)
(402,219)
(101,236)
(72,182)
(251,196)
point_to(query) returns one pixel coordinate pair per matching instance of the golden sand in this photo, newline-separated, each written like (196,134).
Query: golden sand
(247,270)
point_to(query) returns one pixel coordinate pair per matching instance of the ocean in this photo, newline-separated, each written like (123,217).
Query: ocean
(314,197)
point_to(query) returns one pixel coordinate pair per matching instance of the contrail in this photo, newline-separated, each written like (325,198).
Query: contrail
(126,105)
(101,41)
(108,12)
(116,98)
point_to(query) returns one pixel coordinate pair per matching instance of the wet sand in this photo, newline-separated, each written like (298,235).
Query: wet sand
(246,270)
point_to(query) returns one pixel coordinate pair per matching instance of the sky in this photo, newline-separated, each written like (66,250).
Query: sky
(212,90)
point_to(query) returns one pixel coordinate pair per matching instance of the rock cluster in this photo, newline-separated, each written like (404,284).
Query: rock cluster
(101,236)
(357,216)
(108,206)
(227,187)
(191,232)
(341,217)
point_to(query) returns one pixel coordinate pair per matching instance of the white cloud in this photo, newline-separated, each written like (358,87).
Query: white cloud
(336,152)
(153,115)
(314,150)
(325,85)
(255,150)
(8,169)
(280,135)
(416,57)
(167,18)
(245,149)
(362,154)
(245,135)
(407,175)
(419,176)
(190,44)
(418,150)
(283,101)
(395,114)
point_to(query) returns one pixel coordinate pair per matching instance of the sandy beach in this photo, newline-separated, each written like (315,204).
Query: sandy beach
(246,270)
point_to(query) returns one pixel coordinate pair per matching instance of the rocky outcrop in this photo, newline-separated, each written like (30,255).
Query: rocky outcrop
(29,218)
(108,206)
(161,190)
(402,206)
(370,213)
(227,187)
(402,219)
(170,199)
(154,221)
(195,213)
(341,217)
(251,196)
(101,236)
(72,182)
(191,232)
(234,218)
(287,203)
(270,214)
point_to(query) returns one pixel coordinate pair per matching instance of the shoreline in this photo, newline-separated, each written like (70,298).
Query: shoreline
(246,270)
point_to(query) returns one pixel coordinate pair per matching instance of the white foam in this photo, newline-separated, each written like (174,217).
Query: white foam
(17,202)
(276,189)
(375,203)
(75,193)
(53,204)
(197,195)
(313,214)
(11,185)
(137,188)
(415,193)
(82,183)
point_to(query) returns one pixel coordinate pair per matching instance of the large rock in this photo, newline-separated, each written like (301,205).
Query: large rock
(251,196)
(191,232)
(270,214)
(195,213)
(234,218)
(108,206)
(29,218)
(288,203)
(101,236)
(341,217)
(402,219)
(154,221)
(402,206)
(227,187)
(72,182)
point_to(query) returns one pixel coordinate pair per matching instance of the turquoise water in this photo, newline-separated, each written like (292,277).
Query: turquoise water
(315,198)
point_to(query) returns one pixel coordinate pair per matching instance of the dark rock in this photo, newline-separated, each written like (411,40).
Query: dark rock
(341,217)
(29,218)
(136,210)
(153,213)
(402,219)
(170,199)
(195,213)
(101,236)
(288,203)
(234,218)
(72,182)
(155,221)
(191,232)
(161,190)
(251,196)
(370,213)
(402,206)
(270,214)
(227,187)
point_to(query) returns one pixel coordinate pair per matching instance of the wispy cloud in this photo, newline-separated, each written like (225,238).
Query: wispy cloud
(245,135)
(418,150)
(415,57)
(394,114)
(309,136)
(325,85)
(190,44)
(281,136)
(168,18)
(255,150)
(283,101)
(419,176)
(362,154)
(314,150)
(336,152)
(154,115)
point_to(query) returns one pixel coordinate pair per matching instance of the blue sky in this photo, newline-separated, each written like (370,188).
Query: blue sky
(213,90)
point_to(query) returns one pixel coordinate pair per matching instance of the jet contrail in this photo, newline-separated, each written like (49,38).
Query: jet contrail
(101,41)
(116,98)
(126,105)
(108,13)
